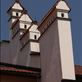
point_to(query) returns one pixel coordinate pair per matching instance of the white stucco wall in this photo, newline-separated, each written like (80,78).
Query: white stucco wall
(32,34)
(59,14)
(66,49)
(14,13)
(22,25)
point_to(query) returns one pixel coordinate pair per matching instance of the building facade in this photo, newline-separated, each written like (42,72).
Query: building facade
(39,52)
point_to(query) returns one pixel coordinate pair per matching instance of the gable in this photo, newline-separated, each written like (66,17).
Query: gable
(26,17)
(34,28)
(62,5)
(17,6)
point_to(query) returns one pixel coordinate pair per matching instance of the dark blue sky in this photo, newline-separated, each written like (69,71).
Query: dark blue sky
(37,9)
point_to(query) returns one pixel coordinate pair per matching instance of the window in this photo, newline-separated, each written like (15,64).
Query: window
(35,37)
(17,14)
(25,26)
(62,14)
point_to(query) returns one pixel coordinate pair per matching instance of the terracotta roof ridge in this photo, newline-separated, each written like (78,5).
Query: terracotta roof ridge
(5,66)
(78,65)
(78,69)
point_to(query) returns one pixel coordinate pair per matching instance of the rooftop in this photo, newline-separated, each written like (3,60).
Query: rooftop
(78,70)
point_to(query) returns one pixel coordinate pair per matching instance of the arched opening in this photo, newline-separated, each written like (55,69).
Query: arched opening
(25,26)
(62,14)
(35,37)
(17,14)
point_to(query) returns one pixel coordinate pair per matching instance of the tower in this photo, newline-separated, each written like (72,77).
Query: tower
(24,37)
(58,52)
(15,11)
(17,14)
(65,40)
(30,48)
(19,22)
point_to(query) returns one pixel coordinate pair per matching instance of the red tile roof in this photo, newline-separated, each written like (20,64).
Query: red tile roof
(18,69)
(15,69)
(78,70)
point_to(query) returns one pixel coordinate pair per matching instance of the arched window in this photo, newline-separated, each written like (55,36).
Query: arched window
(25,26)
(62,14)
(17,14)
(35,37)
